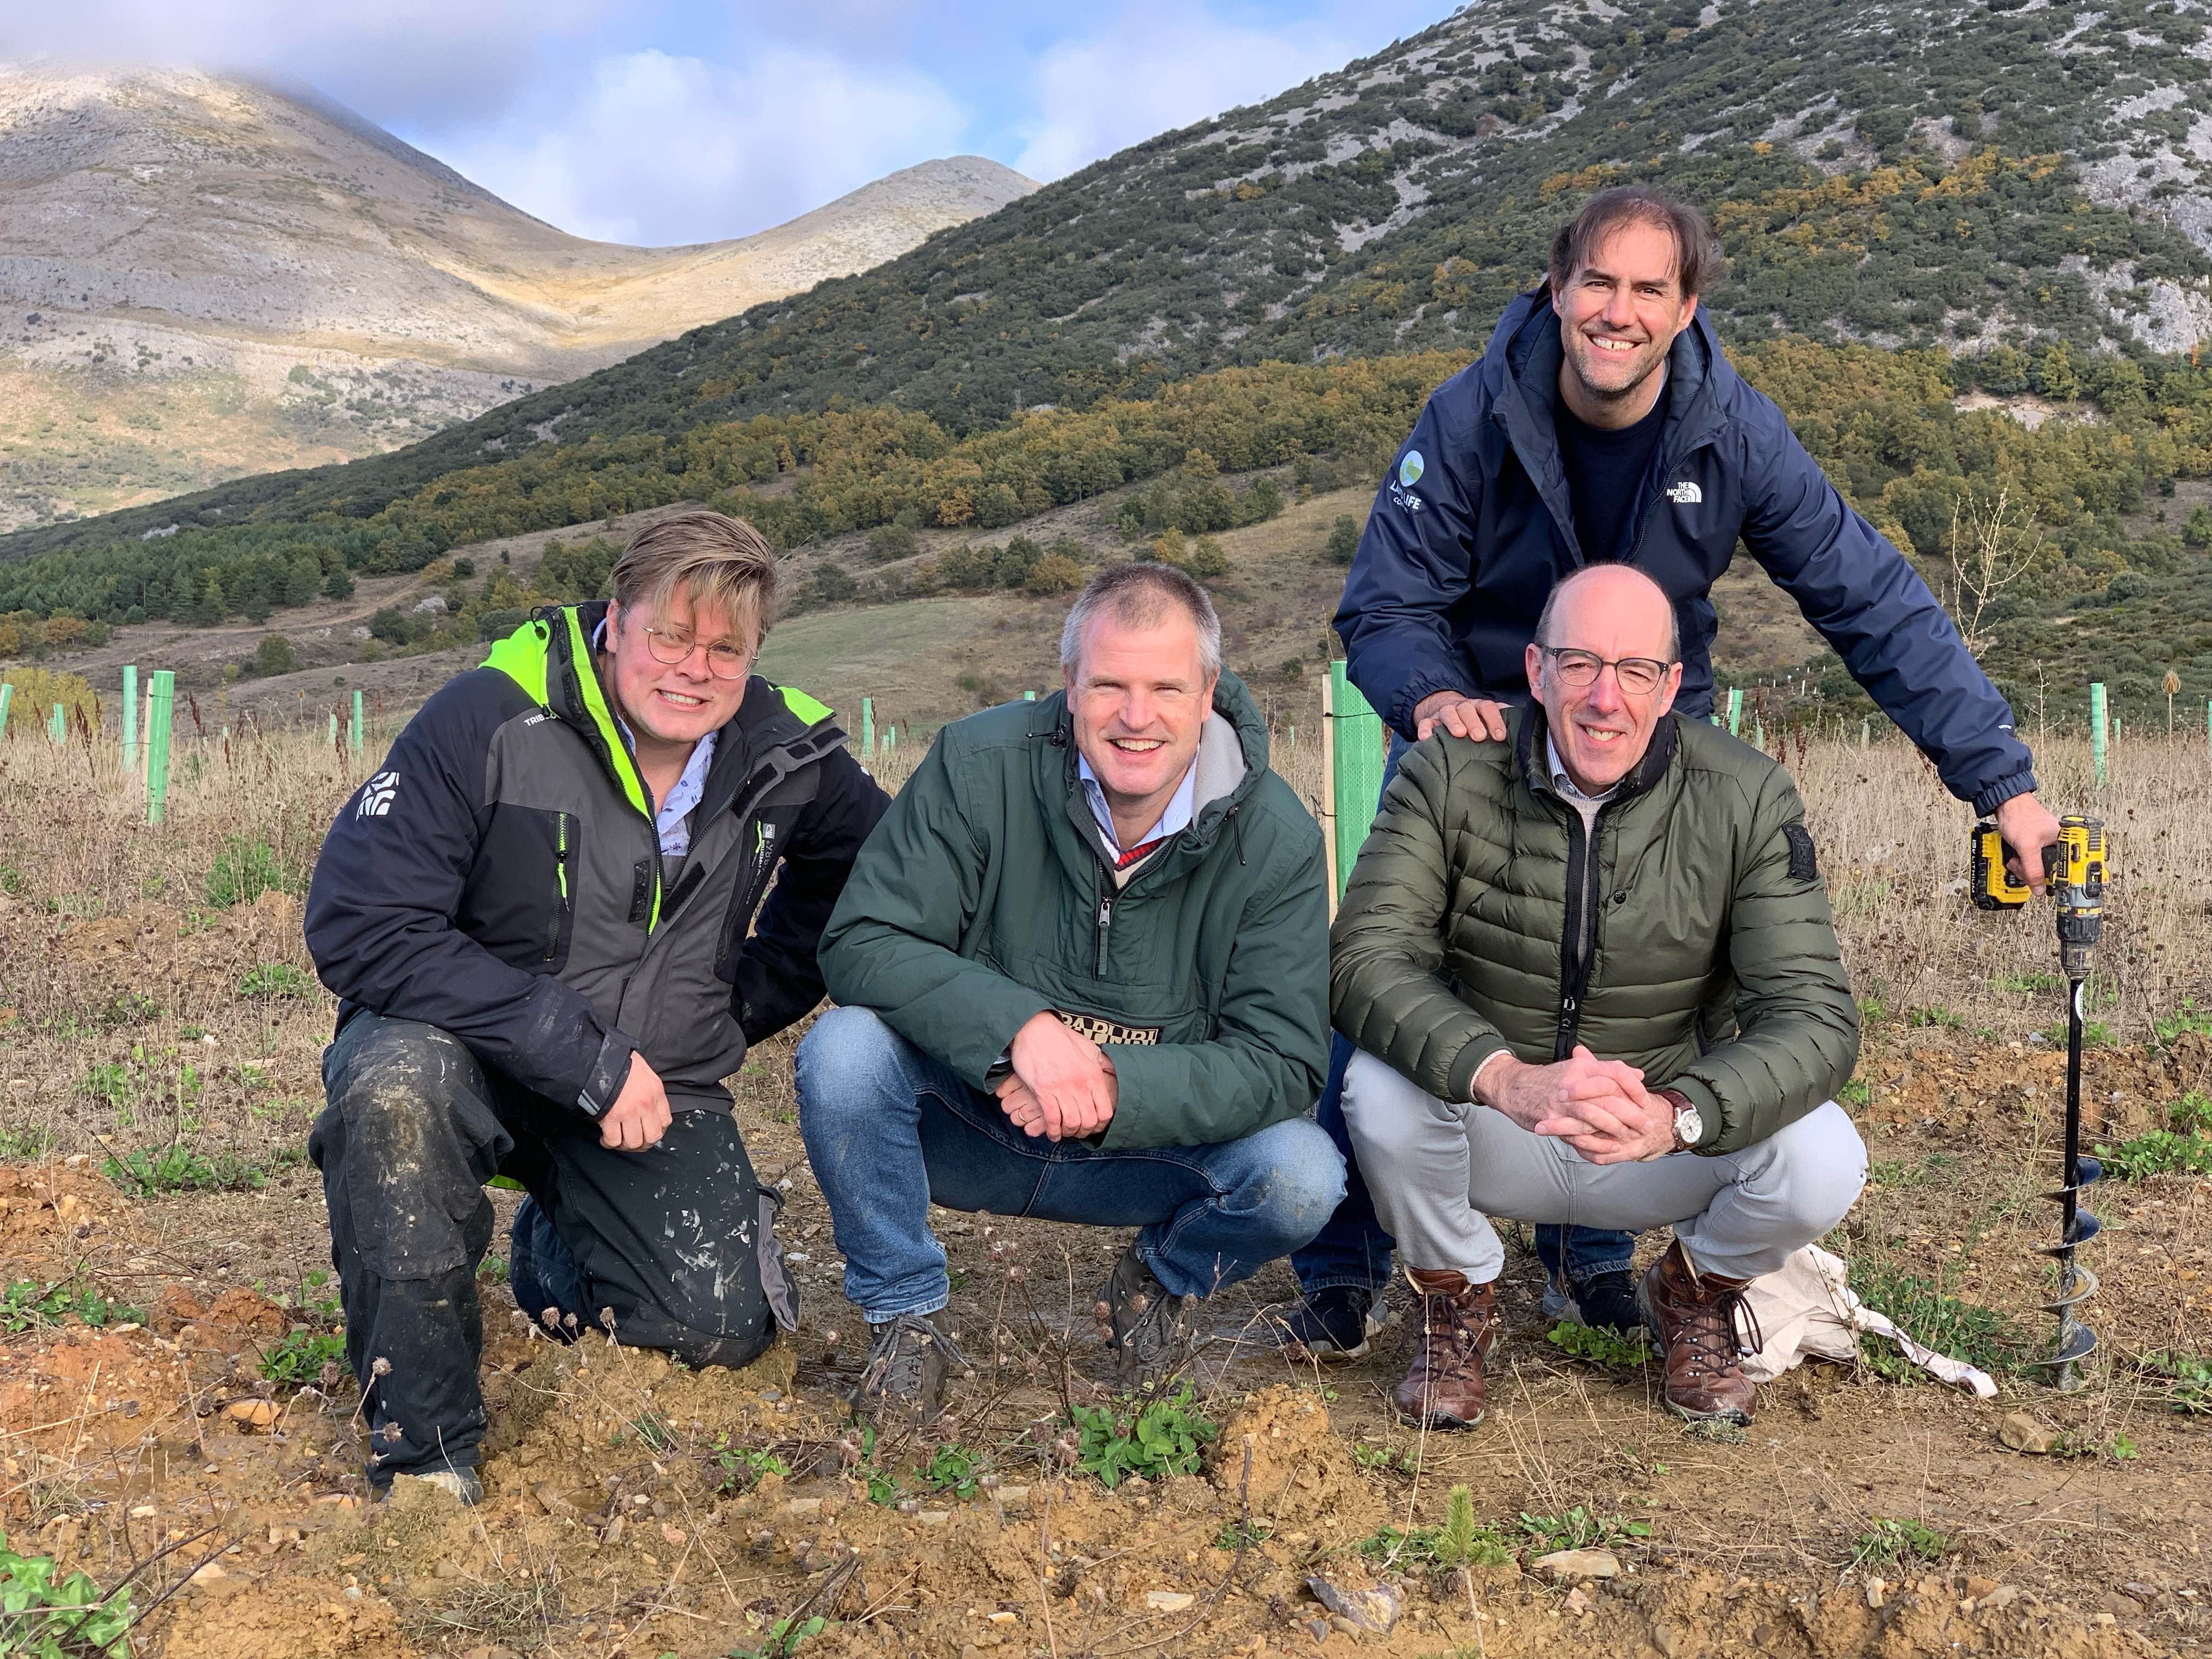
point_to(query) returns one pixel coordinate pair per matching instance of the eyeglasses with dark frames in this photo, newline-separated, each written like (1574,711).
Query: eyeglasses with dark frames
(1638,676)
(724,662)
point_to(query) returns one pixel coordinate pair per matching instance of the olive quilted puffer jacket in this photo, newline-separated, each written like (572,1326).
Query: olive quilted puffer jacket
(1706,955)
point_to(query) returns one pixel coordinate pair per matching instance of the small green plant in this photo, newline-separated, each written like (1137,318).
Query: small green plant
(26,1304)
(2122,1448)
(2095,1034)
(2031,983)
(25,1144)
(71,1617)
(951,1469)
(1161,1438)
(12,881)
(1888,1543)
(743,1466)
(152,1172)
(274,981)
(1602,1345)
(2187,1018)
(1856,1092)
(297,1357)
(2187,1378)
(1457,1540)
(1579,1528)
(1936,1017)
(1931,1315)
(1385,1460)
(2183,1147)
(657,1433)
(1242,1535)
(1873,1011)
(242,873)
(782,1639)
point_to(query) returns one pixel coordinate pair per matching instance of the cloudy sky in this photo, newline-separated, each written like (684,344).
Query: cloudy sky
(666,121)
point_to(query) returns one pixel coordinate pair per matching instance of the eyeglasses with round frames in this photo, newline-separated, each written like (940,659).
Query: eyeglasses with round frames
(1638,676)
(724,662)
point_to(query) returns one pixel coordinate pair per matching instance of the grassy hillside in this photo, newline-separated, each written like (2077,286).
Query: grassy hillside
(1926,175)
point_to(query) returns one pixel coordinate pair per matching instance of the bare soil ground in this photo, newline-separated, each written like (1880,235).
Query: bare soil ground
(627,1512)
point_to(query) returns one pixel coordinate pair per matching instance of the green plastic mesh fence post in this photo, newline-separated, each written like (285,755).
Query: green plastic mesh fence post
(334,728)
(1290,737)
(1355,737)
(130,717)
(868,728)
(891,741)
(354,735)
(2097,731)
(1736,710)
(161,704)
(7,691)
(1028,697)
(58,726)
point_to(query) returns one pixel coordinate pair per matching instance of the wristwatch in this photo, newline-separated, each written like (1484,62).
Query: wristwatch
(1689,1121)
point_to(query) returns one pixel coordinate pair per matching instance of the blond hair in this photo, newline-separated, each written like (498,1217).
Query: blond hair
(713,559)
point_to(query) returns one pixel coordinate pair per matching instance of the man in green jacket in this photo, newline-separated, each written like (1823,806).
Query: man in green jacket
(1082,962)
(1594,980)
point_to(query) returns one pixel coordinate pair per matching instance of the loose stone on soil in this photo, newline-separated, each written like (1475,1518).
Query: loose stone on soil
(1169,1600)
(1561,1565)
(2024,1434)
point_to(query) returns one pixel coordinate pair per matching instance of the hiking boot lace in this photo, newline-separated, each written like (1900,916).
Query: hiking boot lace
(1719,1333)
(1460,1327)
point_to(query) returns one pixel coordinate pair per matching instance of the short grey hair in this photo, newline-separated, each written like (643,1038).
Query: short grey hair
(1139,596)
(1558,590)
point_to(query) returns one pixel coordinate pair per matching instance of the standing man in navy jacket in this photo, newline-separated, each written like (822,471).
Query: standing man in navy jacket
(1603,423)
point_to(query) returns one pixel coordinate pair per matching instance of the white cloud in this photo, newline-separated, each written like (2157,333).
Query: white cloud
(659,148)
(1155,69)
(425,61)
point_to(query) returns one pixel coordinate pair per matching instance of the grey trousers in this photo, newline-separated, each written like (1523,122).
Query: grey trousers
(1439,1171)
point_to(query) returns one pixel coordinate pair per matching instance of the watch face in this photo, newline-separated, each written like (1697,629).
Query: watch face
(1689,1126)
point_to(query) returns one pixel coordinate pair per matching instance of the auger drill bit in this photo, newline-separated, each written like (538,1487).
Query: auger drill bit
(2078,882)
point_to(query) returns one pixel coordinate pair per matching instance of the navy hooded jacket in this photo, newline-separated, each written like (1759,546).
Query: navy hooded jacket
(1474,526)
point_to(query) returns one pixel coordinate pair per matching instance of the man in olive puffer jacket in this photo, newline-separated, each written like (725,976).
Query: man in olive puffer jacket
(1594,980)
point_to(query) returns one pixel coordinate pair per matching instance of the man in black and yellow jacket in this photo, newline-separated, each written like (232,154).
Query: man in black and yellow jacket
(539,915)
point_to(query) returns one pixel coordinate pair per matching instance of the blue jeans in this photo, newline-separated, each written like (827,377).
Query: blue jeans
(1353,1249)
(890,1131)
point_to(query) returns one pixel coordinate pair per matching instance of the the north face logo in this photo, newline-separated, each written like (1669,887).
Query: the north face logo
(376,795)
(1684,494)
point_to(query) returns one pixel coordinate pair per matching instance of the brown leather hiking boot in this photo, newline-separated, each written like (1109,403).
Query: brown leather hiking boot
(1445,1386)
(1704,1329)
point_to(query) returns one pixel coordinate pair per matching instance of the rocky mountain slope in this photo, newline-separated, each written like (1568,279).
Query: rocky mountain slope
(1956,173)
(201,276)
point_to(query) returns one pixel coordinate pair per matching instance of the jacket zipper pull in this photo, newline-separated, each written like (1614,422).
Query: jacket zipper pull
(1105,926)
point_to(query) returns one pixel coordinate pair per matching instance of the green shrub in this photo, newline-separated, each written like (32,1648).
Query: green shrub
(1343,540)
(298,1358)
(274,655)
(1888,1543)
(1163,1437)
(243,871)
(71,1617)
(275,982)
(26,1304)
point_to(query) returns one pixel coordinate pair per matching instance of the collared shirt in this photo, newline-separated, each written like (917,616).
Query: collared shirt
(1569,792)
(672,816)
(1181,807)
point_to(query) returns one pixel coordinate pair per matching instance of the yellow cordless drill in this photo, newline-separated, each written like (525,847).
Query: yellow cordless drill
(2074,873)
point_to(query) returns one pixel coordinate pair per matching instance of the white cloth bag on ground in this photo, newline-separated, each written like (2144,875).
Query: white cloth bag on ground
(1806,1308)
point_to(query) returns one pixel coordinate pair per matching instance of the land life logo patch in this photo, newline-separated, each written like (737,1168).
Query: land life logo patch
(1403,481)
(377,795)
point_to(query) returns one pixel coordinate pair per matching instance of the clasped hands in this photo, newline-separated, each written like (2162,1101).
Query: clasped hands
(1062,1086)
(1599,1107)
